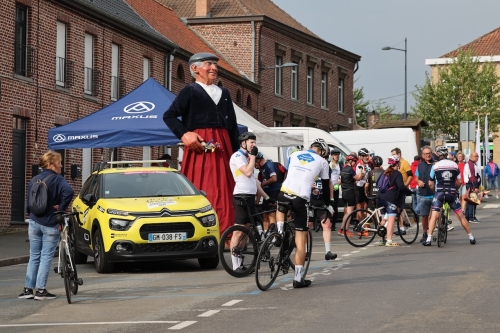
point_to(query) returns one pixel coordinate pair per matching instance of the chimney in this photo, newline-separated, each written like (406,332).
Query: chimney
(202,8)
(373,118)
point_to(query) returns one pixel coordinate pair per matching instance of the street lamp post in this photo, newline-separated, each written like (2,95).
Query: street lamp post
(386,48)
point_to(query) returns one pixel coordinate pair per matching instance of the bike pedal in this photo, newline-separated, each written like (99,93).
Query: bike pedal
(79,281)
(55,270)
(434,238)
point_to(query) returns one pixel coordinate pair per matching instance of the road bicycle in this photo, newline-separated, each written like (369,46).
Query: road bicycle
(276,255)
(248,245)
(363,232)
(442,225)
(66,266)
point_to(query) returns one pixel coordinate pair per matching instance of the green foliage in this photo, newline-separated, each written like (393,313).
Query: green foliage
(465,89)
(360,106)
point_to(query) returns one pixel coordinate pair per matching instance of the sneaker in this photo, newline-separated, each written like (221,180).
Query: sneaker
(302,284)
(26,294)
(426,243)
(472,241)
(424,238)
(403,232)
(349,234)
(474,220)
(330,256)
(341,232)
(486,196)
(363,234)
(240,269)
(42,295)
(497,196)
(450,228)
(382,242)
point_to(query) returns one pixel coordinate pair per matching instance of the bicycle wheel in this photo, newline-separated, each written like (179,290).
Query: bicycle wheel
(73,276)
(360,233)
(268,261)
(409,220)
(65,271)
(245,250)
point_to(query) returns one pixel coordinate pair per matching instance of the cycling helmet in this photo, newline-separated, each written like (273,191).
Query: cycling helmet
(334,151)
(246,136)
(351,158)
(259,156)
(393,160)
(442,151)
(363,152)
(377,161)
(321,144)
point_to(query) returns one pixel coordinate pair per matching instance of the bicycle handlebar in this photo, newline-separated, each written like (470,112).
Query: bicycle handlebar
(64,214)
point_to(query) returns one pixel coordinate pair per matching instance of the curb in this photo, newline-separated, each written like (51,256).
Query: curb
(14,261)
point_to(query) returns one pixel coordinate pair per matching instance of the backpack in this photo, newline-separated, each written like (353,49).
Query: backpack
(38,197)
(383,183)
(281,171)
(374,181)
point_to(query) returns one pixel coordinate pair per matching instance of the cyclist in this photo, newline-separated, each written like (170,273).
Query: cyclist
(242,164)
(271,183)
(362,165)
(348,178)
(303,168)
(317,200)
(447,180)
(393,198)
(335,167)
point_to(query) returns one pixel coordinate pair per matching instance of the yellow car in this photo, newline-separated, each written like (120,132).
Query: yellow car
(131,214)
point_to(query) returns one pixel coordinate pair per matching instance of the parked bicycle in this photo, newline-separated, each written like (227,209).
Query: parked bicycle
(248,245)
(66,266)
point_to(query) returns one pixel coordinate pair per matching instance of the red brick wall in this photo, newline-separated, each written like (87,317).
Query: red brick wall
(67,105)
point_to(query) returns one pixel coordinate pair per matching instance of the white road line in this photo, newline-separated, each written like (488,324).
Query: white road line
(93,323)
(233,302)
(182,325)
(354,251)
(209,313)
(346,255)
(491,206)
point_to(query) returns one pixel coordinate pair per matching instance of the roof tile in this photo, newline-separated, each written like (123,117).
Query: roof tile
(486,45)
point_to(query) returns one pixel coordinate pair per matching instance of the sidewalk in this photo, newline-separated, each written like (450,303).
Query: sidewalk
(14,247)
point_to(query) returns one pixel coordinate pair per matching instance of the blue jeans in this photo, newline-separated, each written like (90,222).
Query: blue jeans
(43,243)
(492,183)
(470,211)
(414,200)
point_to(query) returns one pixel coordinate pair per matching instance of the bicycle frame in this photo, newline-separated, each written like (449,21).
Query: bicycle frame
(64,242)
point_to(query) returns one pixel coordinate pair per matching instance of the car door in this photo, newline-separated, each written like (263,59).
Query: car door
(83,237)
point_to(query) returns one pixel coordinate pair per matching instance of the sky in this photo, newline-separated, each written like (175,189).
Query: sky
(432,28)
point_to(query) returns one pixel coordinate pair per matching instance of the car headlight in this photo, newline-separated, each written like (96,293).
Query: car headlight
(205,209)
(208,221)
(117,212)
(118,224)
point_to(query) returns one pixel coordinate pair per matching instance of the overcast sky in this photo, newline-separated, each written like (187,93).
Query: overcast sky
(432,27)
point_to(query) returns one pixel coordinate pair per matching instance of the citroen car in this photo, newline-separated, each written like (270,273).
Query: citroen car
(132,214)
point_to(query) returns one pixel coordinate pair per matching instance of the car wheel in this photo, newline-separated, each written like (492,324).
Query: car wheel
(209,263)
(101,263)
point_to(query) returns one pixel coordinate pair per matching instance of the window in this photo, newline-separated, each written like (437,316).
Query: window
(180,72)
(294,84)
(115,63)
(278,123)
(146,65)
(89,65)
(310,79)
(341,95)
(278,75)
(324,89)
(238,97)
(64,67)
(23,53)
(249,102)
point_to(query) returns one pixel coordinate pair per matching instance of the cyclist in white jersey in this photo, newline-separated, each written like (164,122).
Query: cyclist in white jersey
(446,175)
(303,168)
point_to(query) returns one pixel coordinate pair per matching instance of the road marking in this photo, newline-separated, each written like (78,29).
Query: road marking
(346,255)
(233,302)
(354,251)
(209,313)
(491,206)
(182,325)
(95,323)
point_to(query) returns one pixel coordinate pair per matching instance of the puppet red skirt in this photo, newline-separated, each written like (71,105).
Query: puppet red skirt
(210,172)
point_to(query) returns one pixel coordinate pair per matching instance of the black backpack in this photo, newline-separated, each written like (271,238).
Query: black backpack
(38,197)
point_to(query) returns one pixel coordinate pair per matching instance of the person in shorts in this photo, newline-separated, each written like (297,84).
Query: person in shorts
(425,192)
(270,182)
(348,178)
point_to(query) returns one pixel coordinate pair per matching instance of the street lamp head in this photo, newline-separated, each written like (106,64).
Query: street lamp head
(289,64)
(386,48)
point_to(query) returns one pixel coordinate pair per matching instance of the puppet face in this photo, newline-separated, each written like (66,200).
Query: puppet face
(207,72)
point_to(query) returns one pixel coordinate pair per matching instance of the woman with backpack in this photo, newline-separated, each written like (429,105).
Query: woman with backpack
(391,195)
(43,228)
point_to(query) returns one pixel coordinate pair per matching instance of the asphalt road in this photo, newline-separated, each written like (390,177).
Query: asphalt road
(373,289)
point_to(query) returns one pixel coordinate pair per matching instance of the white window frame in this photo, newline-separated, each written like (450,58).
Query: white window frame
(278,123)
(278,75)
(310,81)
(88,63)
(294,87)
(324,90)
(146,68)
(115,63)
(61,54)
(341,95)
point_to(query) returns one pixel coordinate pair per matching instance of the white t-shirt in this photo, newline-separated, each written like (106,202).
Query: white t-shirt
(244,184)
(213,91)
(303,168)
(362,181)
(335,175)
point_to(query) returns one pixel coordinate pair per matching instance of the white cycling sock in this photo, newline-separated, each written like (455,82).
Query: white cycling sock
(281,226)
(298,273)
(429,237)
(235,262)
(470,236)
(327,247)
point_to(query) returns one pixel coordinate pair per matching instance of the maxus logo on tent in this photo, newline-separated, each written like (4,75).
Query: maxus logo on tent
(61,137)
(135,109)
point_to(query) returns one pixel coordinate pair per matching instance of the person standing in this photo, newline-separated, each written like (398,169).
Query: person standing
(208,117)
(348,183)
(425,191)
(43,230)
(271,180)
(413,183)
(462,191)
(472,181)
(491,172)
(336,167)
(404,167)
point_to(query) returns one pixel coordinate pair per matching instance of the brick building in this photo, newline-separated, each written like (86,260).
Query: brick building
(258,38)
(62,60)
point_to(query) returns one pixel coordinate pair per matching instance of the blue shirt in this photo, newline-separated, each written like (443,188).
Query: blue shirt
(268,170)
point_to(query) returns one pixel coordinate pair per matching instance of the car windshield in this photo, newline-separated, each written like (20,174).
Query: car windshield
(136,184)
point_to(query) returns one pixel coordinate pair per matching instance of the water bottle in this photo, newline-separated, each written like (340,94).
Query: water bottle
(259,229)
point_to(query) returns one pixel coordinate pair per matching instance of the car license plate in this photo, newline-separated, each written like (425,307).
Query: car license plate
(167,237)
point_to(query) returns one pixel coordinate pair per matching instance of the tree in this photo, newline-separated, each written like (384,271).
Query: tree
(360,106)
(385,111)
(464,90)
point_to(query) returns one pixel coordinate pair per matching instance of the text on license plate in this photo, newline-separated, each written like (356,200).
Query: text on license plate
(167,237)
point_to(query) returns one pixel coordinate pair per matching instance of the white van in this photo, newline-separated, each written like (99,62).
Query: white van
(382,141)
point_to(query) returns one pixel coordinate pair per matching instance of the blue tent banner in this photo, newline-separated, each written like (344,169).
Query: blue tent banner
(134,120)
